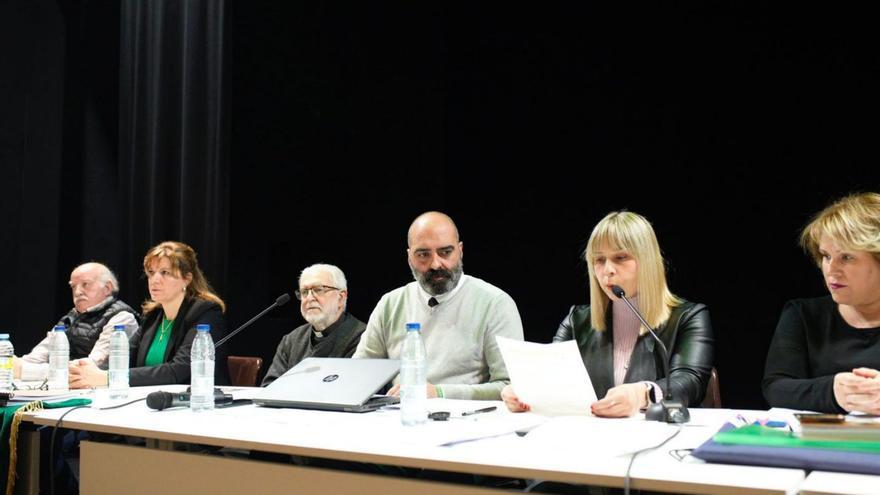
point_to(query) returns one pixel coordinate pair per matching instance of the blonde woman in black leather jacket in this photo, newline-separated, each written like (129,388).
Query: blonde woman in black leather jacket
(617,350)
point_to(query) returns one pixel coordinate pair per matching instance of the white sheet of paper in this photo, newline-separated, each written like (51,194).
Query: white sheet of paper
(606,437)
(550,378)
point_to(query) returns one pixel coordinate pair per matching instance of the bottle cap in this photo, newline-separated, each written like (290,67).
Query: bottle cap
(4,336)
(413,326)
(60,328)
(119,327)
(203,327)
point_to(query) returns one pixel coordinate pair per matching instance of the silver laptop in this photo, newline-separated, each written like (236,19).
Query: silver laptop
(332,384)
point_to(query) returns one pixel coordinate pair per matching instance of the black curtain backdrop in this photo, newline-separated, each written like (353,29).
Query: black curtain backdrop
(34,37)
(173,133)
(275,135)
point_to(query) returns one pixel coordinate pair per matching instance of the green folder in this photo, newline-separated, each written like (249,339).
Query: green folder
(771,437)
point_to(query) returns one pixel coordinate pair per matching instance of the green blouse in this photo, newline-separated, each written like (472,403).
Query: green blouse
(156,354)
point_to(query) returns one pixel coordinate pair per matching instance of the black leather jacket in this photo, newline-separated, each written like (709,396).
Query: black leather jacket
(687,335)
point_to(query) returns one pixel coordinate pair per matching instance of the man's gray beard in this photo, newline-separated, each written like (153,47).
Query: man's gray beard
(442,287)
(320,322)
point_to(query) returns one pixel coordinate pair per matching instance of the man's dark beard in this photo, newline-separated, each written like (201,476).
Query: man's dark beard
(436,287)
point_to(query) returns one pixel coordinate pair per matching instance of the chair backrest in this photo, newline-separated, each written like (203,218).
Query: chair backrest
(713,391)
(243,370)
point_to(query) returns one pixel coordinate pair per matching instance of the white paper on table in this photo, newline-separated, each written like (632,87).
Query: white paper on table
(550,378)
(25,395)
(605,437)
(459,430)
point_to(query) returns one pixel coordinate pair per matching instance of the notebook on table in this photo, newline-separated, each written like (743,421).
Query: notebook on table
(332,384)
(780,449)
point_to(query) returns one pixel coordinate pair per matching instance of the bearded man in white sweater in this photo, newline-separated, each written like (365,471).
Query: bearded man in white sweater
(460,316)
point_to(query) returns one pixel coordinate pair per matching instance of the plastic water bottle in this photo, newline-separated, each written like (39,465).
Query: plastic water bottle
(413,378)
(59,357)
(119,363)
(7,353)
(202,370)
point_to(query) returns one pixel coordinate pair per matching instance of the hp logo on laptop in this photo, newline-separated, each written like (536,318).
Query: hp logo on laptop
(330,378)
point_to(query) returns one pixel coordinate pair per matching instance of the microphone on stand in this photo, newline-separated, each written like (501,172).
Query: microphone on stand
(668,409)
(281,301)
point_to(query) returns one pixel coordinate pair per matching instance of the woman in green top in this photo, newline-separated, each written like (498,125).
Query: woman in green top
(180,299)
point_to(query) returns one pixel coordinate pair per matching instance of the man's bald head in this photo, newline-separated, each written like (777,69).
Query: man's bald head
(91,283)
(432,223)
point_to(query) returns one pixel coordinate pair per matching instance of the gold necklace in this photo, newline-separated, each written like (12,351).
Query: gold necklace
(163,328)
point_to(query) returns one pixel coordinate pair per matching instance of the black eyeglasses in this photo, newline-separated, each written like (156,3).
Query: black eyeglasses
(680,454)
(42,386)
(318,291)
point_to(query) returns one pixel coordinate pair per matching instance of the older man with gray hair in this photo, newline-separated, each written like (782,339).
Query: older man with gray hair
(330,332)
(97,309)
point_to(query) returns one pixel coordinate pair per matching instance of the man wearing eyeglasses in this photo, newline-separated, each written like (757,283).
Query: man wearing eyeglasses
(460,316)
(97,309)
(330,332)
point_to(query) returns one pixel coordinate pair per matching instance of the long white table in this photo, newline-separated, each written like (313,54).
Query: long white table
(580,450)
(825,483)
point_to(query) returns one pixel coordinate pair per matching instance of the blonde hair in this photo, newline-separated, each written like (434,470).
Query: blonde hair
(183,262)
(630,232)
(853,222)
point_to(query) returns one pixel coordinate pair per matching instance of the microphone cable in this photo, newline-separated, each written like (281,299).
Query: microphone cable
(626,477)
(57,426)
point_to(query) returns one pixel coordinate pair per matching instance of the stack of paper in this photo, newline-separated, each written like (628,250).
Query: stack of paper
(23,396)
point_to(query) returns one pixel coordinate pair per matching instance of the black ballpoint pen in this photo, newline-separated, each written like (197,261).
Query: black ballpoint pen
(478,411)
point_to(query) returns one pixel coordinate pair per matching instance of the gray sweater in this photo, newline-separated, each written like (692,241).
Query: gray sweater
(459,334)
